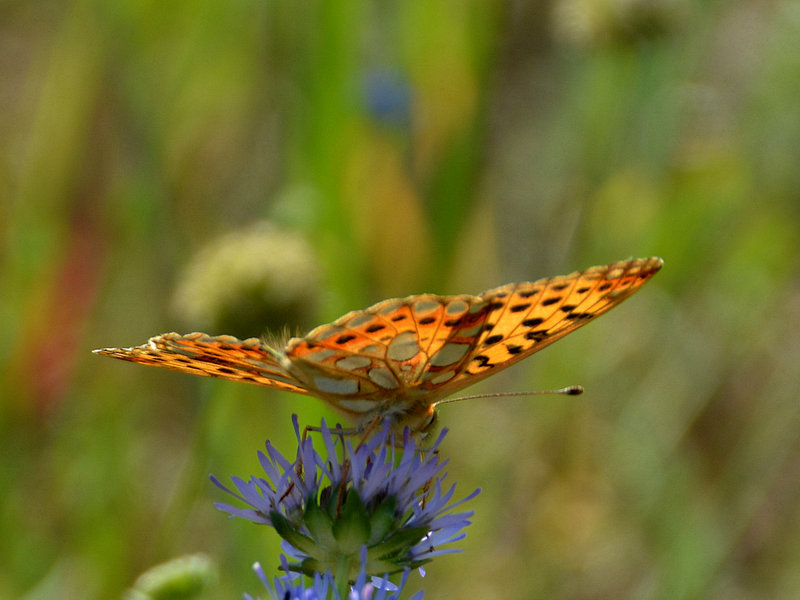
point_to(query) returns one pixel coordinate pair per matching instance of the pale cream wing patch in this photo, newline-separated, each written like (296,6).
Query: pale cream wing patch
(387,349)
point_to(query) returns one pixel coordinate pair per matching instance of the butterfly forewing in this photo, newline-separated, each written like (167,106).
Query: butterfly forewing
(224,356)
(526,317)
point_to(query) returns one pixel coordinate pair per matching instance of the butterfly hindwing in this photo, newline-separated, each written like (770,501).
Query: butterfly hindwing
(389,347)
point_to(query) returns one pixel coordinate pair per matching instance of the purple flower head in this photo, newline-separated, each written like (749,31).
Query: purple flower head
(374,496)
(323,586)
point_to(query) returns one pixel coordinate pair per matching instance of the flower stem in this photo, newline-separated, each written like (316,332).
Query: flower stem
(342,575)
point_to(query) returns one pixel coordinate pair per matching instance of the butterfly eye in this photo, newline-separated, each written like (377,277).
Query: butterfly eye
(431,424)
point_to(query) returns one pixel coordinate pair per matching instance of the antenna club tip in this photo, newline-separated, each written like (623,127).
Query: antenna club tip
(574,390)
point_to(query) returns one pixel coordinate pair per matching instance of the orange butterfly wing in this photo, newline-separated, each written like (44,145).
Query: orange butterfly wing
(383,354)
(421,348)
(526,317)
(401,356)
(223,356)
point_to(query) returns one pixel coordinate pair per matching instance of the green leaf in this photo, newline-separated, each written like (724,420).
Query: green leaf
(383,518)
(319,525)
(351,530)
(288,532)
(403,539)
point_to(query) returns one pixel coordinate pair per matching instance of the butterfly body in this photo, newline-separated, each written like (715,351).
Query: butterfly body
(399,357)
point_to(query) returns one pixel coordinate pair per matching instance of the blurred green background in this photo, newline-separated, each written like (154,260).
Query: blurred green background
(249,166)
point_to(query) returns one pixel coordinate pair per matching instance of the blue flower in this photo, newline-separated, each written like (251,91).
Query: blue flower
(388,97)
(322,586)
(390,501)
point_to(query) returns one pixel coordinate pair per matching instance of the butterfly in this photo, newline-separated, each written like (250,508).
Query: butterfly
(400,357)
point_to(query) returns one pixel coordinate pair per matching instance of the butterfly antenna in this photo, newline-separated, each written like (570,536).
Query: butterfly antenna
(570,390)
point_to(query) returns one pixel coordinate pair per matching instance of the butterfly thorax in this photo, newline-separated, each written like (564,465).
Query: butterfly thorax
(364,389)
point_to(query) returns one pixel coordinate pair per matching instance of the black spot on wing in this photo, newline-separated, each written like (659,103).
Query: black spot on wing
(529,293)
(492,339)
(533,322)
(579,316)
(537,336)
(483,361)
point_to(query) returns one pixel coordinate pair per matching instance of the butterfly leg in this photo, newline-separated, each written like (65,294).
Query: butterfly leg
(338,430)
(364,430)
(368,430)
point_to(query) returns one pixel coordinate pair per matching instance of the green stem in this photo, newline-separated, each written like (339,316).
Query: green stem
(342,576)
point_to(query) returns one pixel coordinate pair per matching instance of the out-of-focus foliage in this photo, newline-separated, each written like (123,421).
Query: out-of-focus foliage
(430,145)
